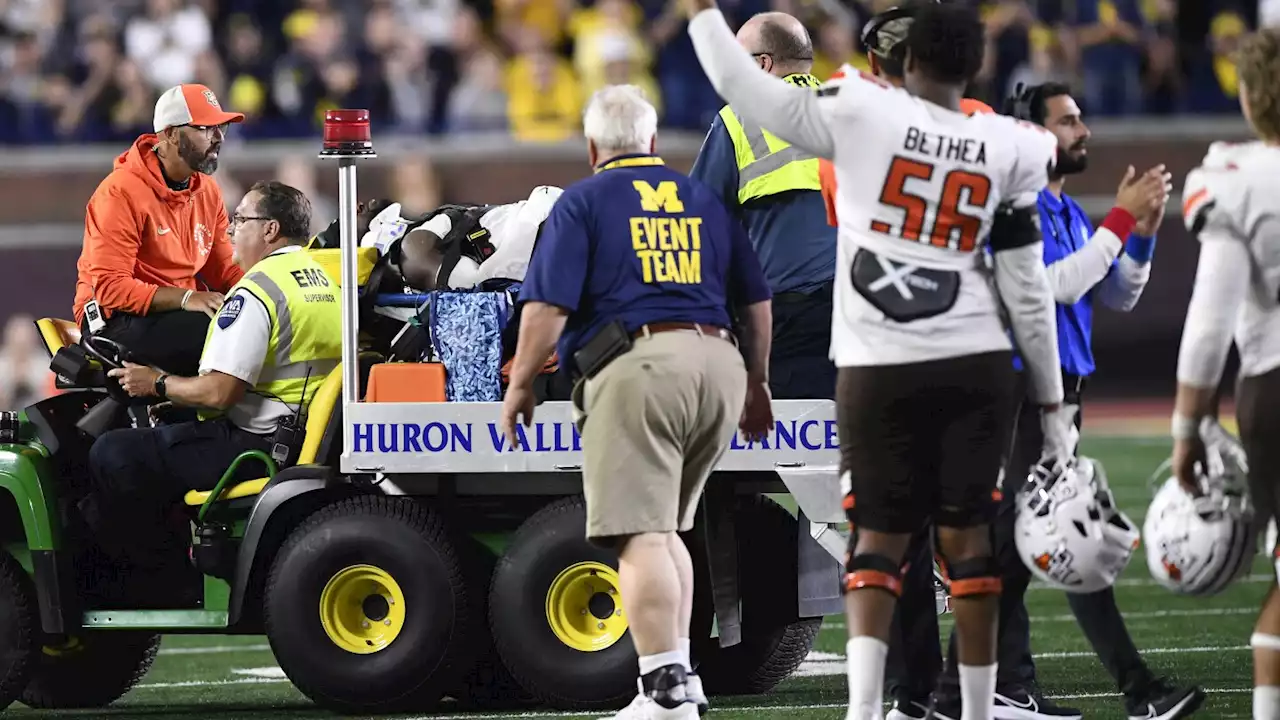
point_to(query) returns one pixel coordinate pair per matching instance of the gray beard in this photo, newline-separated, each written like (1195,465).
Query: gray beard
(197,161)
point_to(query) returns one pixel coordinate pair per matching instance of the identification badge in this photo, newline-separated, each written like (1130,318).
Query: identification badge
(93,314)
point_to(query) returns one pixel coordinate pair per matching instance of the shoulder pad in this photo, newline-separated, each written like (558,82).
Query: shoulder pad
(847,75)
(1197,201)
(864,75)
(1222,155)
(1036,153)
(1207,193)
(1033,140)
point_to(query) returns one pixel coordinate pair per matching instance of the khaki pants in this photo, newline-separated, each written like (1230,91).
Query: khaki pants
(657,421)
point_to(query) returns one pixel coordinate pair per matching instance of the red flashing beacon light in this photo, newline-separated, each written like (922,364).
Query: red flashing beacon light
(347,134)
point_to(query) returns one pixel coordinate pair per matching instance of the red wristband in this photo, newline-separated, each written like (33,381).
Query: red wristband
(1120,222)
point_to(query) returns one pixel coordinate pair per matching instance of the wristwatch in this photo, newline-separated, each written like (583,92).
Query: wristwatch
(160,387)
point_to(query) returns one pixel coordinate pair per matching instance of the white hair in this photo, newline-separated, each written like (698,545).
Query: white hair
(620,119)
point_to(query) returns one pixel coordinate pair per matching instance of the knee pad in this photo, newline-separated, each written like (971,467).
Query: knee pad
(873,571)
(974,578)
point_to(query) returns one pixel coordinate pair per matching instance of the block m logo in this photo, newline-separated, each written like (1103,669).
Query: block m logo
(666,198)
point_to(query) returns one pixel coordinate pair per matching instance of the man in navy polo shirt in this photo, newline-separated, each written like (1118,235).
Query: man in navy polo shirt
(1112,265)
(635,273)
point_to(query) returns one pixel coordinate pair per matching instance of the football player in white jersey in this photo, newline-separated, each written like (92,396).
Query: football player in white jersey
(455,246)
(1231,204)
(925,389)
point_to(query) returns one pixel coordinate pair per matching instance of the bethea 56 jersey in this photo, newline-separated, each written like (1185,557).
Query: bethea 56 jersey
(1231,198)
(918,189)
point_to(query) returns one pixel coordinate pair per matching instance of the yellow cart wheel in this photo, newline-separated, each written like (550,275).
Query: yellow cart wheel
(367,609)
(362,609)
(555,609)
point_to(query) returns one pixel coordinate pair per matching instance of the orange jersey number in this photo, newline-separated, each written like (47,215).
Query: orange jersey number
(959,186)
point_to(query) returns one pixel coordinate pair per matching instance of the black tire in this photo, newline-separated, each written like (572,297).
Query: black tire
(18,629)
(775,640)
(559,675)
(92,672)
(489,685)
(407,541)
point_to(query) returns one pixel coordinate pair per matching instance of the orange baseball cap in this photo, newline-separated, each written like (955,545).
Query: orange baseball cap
(969,106)
(191,105)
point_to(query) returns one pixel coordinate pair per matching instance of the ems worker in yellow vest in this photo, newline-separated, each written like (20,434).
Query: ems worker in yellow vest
(278,332)
(772,188)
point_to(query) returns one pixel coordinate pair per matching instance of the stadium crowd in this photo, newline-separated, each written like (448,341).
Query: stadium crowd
(90,70)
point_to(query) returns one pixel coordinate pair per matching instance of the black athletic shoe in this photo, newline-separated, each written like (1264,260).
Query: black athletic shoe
(945,708)
(1163,701)
(904,708)
(1023,705)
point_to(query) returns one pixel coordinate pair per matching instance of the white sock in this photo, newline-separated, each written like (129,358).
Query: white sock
(649,663)
(687,654)
(1266,702)
(977,690)
(866,657)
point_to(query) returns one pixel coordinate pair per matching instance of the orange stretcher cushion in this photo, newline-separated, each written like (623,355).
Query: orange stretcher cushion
(406,382)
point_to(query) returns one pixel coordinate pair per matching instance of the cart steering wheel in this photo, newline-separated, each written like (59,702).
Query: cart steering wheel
(113,355)
(110,353)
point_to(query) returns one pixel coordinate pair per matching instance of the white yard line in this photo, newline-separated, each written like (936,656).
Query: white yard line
(596,713)
(206,683)
(763,708)
(820,664)
(214,649)
(817,664)
(1149,615)
(1147,651)
(1148,582)
(727,709)
(829,624)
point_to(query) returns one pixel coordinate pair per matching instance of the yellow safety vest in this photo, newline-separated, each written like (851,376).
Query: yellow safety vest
(766,164)
(306,324)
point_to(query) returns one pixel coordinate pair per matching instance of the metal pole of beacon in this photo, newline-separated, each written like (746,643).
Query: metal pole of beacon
(347,138)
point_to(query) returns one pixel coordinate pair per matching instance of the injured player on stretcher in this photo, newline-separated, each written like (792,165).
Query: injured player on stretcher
(455,247)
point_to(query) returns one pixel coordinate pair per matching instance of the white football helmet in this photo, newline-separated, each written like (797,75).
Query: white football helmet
(1068,530)
(1200,545)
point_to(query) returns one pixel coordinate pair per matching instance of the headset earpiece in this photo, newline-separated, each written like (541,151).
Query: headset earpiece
(1025,99)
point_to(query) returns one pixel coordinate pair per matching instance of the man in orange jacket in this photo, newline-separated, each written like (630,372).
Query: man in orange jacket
(156,257)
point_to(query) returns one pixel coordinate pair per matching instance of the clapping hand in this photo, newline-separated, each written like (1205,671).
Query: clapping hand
(1144,197)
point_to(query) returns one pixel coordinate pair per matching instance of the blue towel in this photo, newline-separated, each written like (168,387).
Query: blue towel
(466,331)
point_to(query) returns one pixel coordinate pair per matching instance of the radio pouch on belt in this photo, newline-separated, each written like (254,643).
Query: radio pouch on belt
(903,292)
(608,345)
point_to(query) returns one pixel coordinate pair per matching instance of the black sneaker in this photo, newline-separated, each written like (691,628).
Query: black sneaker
(1163,701)
(945,708)
(1023,705)
(905,708)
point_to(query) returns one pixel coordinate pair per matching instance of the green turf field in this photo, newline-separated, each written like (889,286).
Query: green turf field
(1204,641)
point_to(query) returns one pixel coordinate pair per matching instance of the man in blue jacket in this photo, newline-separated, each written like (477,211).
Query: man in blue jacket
(1112,265)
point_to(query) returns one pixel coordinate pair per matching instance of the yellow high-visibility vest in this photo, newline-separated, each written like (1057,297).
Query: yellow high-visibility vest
(766,164)
(306,324)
